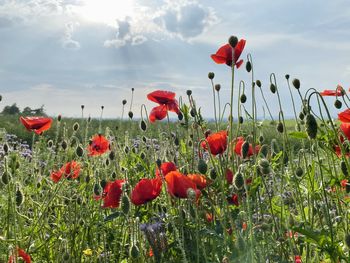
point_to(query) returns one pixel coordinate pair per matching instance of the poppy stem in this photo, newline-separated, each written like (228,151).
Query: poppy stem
(216,120)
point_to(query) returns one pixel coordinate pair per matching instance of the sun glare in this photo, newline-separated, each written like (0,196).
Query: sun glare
(105,11)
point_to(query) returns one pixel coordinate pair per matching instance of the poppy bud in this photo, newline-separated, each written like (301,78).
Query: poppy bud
(111,155)
(207,133)
(125,204)
(258,83)
(299,172)
(190,143)
(0,98)
(143,155)
(134,251)
(240,119)
(273,88)
(191,194)
(301,115)
(158,162)
(202,166)
(189,92)
(248,66)
(130,114)
(6,177)
(107,162)
(97,189)
(193,112)
(285,159)
(347,240)
(264,150)
(79,151)
(287,76)
(280,127)
(64,145)
(238,180)
(243,98)
(261,139)
(76,126)
(296,83)
(19,197)
(114,175)
(143,125)
(245,149)
(233,40)
(49,143)
(212,173)
(66,257)
(311,126)
(211,75)
(59,117)
(87,179)
(180,116)
(176,141)
(126,149)
(89,119)
(343,168)
(82,107)
(103,183)
(6,148)
(337,104)
(264,166)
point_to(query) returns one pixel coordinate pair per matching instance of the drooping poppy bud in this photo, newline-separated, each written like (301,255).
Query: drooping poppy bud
(311,126)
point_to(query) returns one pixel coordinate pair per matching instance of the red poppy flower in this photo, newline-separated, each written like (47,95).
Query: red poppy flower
(200,180)
(178,185)
(233,200)
(229,176)
(217,142)
(22,254)
(224,54)
(344,116)
(112,193)
(345,128)
(297,259)
(209,217)
(343,183)
(166,101)
(146,190)
(327,92)
(99,145)
(69,170)
(36,124)
(238,147)
(166,168)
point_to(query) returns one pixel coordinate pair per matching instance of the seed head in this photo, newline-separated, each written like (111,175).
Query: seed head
(217,87)
(311,126)
(248,66)
(296,83)
(243,98)
(258,83)
(233,40)
(238,180)
(189,92)
(123,102)
(211,75)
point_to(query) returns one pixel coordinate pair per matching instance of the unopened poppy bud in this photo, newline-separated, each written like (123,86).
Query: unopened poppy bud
(233,40)
(343,168)
(337,104)
(59,117)
(177,141)
(79,151)
(296,83)
(311,126)
(211,75)
(264,150)
(190,143)
(213,173)
(245,149)
(6,148)
(89,119)
(143,125)
(189,92)
(111,155)
(299,172)
(243,98)
(103,183)
(202,166)
(258,83)
(125,204)
(280,127)
(240,119)
(158,162)
(130,114)
(97,189)
(124,102)
(207,133)
(191,194)
(180,116)
(238,180)
(82,106)
(261,139)
(287,76)
(301,115)
(107,162)
(142,155)
(126,149)
(76,126)
(134,251)
(217,87)
(19,197)
(248,66)
(273,88)
(6,177)
(102,107)
(114,175)
(64,145)
(347,240)
(193,112)
(49,143)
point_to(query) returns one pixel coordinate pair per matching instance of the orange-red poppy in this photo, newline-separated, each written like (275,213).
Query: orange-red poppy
(111,194)
(146,190)
(166,101)
(69,170)
(165,168)
(344,116)
(36,124)
(200,180)
(238,147)
(327,92)
(217,142)
(20,254)
(98,145)
(224,54)
(179,184)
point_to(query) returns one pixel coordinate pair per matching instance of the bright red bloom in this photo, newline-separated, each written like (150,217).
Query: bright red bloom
(178,185)
(217,142)
(166,168)
(98,145)
(224,54)
(112,193)
(36,124)
(200,180)
(69,170)
(297,259)
(166,101)
(22,254)
(327,92)
(238,147)
(146,190)
(343,183)
(344,116)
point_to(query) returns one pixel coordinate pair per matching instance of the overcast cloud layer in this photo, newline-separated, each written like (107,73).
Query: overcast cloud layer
(51,55)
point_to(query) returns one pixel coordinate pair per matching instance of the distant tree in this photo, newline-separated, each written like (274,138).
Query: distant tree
(11,110)
(27,111)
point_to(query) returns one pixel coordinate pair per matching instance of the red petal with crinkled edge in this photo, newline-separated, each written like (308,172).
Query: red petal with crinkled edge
(178,185)
(36,124)
(344,116)
(174,107)
(112,194)
(223,55)
(158,113)
(161,96)
(238,51)
(21,254)
(146,190)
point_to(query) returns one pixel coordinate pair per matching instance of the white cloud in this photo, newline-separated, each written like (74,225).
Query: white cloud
(67,41)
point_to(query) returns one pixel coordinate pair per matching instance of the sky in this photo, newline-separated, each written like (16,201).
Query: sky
(66,53)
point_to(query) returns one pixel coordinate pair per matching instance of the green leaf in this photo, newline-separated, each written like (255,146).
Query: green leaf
(298,135)
(111,216)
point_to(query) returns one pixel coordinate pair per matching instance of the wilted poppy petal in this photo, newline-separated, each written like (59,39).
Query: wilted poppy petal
(158,113)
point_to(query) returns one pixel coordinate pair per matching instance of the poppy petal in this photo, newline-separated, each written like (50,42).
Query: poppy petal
(158,113)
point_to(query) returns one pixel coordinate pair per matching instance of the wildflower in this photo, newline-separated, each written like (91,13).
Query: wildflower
(337,92)
(146,190)
(22,254)
(70,170)
(238,147)
(111,194)
(224,54)
(217,142)
(178,185)
(99,145)
(36,124)
(200,180)
(165,168)
(297,259)
(87,252)
(229,176)
(166,101)
(233,200)
(209,217)
(344,116)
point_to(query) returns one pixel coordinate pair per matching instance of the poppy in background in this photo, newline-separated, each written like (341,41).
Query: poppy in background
(200,180)
(21,254)
(70,170)
(166,101)
(166,168)
(111,194)
(238,147)
(98,145)
(146,190)
(224,54)
(338,92)
(217,142)
(36,124)
(179,184)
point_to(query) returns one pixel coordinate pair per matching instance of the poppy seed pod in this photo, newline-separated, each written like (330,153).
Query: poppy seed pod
(258,83)
(49,143)
(130,114)
(337,104)
(217,87)
(59,117)
(6,177)
(233,40)
(343,168)
(238,180)
(296,83)
(79,151)
(311,126)
(273,88)
(125,204)
(243,98)
(191,194)
(245,149)
(143,125)
(124,102)
(299,172)
(280,127)
(189,92)
(19,197)
(248,66)
(287,76)
(211,75)
(76,126)
(202,166)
